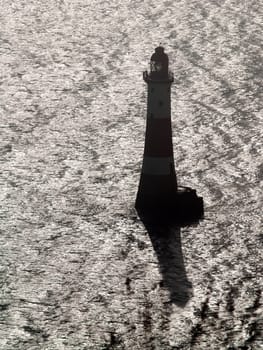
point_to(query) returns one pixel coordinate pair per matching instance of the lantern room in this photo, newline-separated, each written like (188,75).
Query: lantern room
(158,67)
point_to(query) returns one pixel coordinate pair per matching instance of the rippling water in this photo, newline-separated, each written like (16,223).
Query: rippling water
(79,270)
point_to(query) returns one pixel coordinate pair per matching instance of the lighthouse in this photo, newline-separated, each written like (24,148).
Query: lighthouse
(158,193)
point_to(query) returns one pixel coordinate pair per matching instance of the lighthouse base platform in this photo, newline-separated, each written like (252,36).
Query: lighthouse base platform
(182,207)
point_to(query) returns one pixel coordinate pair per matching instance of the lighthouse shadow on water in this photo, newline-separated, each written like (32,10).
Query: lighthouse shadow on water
(161,204)
(166,242)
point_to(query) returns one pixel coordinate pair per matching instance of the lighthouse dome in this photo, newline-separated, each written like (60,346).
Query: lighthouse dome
(159,64)
(159,50)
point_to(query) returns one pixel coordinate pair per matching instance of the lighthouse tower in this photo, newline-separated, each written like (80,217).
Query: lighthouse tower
(158,190)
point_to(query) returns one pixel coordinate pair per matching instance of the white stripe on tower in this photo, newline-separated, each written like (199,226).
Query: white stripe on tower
(157,165)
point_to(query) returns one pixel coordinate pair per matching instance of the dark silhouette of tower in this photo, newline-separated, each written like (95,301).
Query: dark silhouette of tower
(158,193)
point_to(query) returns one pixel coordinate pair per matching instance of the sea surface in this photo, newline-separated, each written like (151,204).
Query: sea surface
(78,268)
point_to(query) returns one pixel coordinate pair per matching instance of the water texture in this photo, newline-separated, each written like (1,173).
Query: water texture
(78,268)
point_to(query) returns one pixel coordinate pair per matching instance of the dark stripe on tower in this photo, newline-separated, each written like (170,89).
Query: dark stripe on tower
(158,138)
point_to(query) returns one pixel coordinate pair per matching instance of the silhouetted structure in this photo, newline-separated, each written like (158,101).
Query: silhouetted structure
(159,195)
